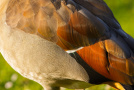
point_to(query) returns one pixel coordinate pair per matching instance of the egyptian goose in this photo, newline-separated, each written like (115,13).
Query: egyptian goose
(35,36)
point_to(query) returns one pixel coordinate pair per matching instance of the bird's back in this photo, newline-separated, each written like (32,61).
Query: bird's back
(85,26)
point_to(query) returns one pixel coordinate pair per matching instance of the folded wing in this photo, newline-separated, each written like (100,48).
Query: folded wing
(72,24)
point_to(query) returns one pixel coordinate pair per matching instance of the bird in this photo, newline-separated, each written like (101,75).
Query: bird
(66,43)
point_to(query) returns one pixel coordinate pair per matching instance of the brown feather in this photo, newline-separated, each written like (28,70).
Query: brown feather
(111,65)
(42,17)
(72,24)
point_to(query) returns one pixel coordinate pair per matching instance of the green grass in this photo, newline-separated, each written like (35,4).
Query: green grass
(7,74)
(123,11)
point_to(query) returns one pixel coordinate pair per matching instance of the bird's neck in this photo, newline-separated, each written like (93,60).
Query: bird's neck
(4,29)
(3,7)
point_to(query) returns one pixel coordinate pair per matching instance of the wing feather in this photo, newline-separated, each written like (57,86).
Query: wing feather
(49,19)
(72,24)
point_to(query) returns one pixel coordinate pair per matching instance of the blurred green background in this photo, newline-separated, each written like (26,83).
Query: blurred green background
(10,80)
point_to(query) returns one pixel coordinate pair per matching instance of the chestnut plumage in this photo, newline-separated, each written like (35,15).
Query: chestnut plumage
(46,29)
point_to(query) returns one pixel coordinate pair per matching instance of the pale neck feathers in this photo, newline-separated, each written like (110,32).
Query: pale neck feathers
(35,57)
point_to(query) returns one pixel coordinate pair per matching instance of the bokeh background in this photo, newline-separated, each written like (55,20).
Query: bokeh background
(10,80)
